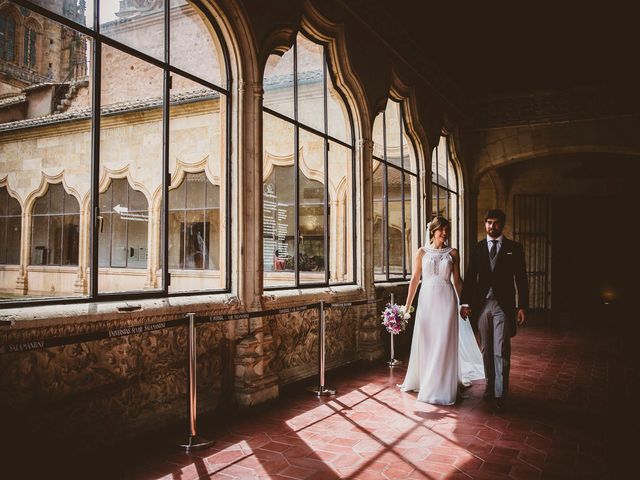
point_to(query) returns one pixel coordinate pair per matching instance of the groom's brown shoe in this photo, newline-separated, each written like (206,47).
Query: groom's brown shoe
(499,405)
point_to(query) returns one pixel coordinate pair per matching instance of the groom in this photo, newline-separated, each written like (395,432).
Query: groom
(489,297)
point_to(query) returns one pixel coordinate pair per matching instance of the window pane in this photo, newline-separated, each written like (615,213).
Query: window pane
(104,239)
(409,154)
(138,24)
(408,221)
(56,199)
(79,11)
(442,162)
(194,44)
(55,239)
(337,115)
(310,84)
(197,131)
(129,143)
(394,189)
(14,237)
(379,258)
(137,242)
(311,210)
(378,136)
(176,238)
(47,92)
(118,241)
(40,240)
(393,133)
(454,240)
(278,83)
(341,221)
(10,232)
(70,239)
(278,214)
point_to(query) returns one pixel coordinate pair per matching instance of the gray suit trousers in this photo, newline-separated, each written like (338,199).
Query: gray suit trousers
(495,344)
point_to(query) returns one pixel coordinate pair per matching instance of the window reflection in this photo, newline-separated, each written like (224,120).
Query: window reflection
(55,228)
(395,195)
(308,209)
(445,194)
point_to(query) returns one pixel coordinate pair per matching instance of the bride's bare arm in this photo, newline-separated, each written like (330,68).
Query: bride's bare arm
(457,279)
(415,278)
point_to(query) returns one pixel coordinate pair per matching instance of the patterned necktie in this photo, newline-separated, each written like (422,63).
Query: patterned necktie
(494,249)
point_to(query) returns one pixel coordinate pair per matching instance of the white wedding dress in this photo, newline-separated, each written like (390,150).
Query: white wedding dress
(444,351)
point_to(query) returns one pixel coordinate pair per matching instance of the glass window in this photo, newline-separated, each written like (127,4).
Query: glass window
(29,48)
(55,228)
(7,36)
(155,109)
(445,192)
(396,215)
(308,186)
(125,224)
(10,228)
(194,227)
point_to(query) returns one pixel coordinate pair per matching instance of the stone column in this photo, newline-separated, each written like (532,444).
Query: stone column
(370,345)
(22,282)
(80,285)
(254,381)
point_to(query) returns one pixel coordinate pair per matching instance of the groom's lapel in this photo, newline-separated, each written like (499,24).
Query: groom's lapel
(484,255)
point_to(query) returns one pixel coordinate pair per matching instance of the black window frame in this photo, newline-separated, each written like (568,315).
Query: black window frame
(6,216)
(97,40)
(385,164)
(10,41)
(297,126)
(436,186)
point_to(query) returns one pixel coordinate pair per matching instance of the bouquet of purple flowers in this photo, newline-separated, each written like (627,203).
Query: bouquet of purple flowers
(395,319)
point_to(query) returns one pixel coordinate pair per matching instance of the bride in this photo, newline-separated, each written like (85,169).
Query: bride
(444,351)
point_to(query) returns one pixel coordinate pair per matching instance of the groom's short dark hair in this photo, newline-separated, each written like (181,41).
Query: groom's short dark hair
(497,214)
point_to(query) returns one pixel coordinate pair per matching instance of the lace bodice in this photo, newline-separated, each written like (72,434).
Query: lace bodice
(437,265)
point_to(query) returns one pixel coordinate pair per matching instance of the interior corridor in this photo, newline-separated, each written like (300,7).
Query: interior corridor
(571,416)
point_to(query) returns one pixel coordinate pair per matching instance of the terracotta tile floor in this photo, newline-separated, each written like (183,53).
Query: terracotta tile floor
(572,415)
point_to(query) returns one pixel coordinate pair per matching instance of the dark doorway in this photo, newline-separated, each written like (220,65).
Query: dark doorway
(594,253)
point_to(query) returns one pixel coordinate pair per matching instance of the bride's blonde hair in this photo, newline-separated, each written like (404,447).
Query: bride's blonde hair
(436,224)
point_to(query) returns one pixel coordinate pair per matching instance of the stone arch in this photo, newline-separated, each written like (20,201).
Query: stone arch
(4,182)
(503,146)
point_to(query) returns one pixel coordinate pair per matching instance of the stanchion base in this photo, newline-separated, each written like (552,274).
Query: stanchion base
(322,391)
(394,363)
(195,443)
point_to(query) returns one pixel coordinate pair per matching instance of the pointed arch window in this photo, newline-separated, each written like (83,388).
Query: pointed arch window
(445,188)
(396,209)
(124,229)
(29,48)
(309,170)
(7,37)
(194,224)
(55,228)
(10,228)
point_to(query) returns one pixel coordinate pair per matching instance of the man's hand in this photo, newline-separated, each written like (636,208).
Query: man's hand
(465,312)
(521,316)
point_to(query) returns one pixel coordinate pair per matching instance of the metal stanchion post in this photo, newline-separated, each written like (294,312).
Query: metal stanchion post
(194,441)
(321,390)
(392,360)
